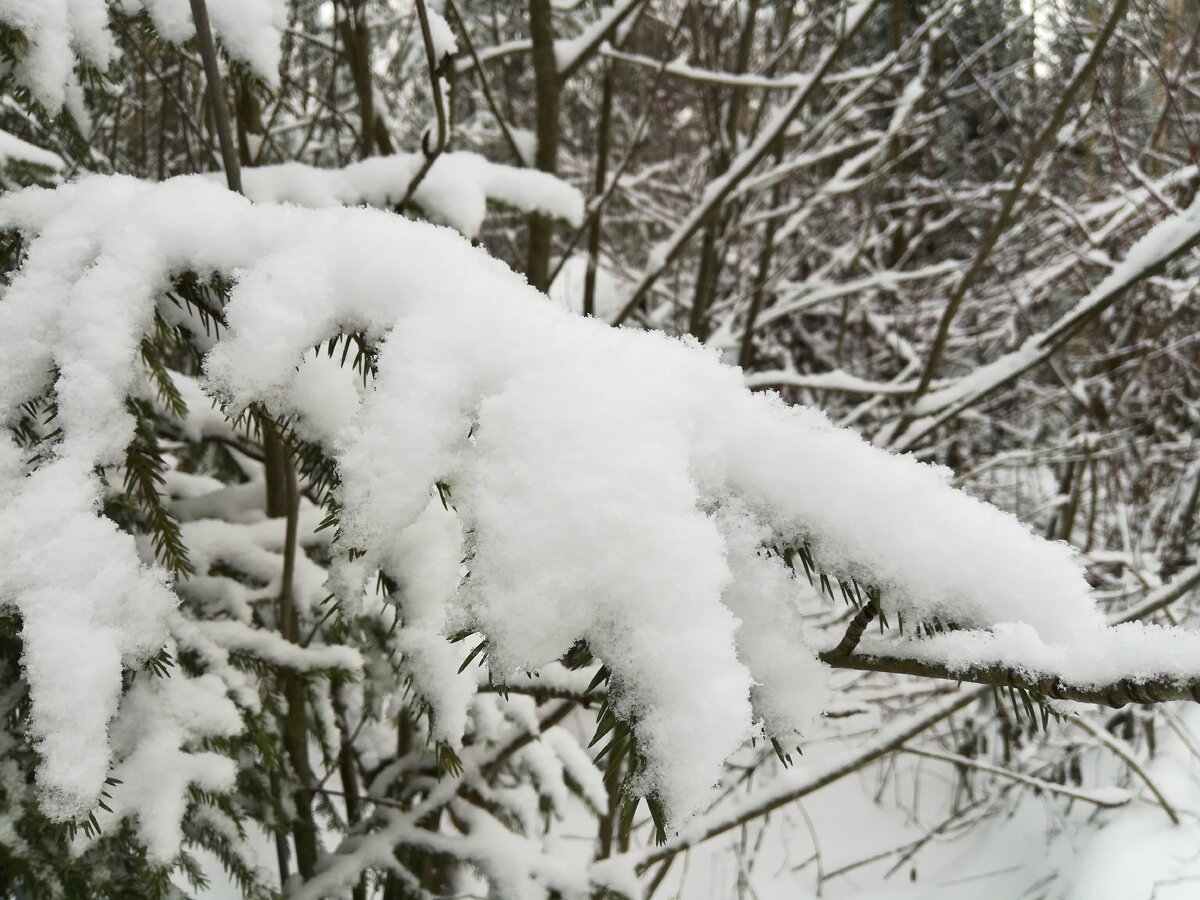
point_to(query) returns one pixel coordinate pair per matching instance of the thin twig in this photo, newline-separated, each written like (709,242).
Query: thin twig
(1110,802)
(435,86)
(1120,749)
(452,8)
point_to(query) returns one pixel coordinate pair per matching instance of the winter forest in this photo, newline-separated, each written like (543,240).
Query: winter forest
(571,449)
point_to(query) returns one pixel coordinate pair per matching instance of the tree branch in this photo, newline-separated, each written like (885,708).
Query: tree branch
(1116,694)
(855,632)
(1109,800)
(434,66)
(546,96)
(795,783)
(1123,751)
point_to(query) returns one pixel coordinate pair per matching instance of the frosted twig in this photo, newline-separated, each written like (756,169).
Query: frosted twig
(1105,801)
(435,86)
(787,789)
(1122,750)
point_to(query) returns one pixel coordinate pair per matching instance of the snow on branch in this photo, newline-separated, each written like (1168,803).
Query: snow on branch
(1013,658)
(614,487)
(455,191)
(679,69)
(1126,662)
(56,33)
(569,53)
(15,152)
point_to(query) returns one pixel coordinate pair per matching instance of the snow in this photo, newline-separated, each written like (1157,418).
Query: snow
(548,480)
(1092,656)
(568,52)
(159,718)
(204,418)
(444,42)
(680,68)
(248,30)
(269,647)
(526,142)
(253,546)
(810,774)
(833,380)
(325,396)
(578,767)
(58,31)
(613,486)
(97,608)
(1137,851)
(896,524)
(455,191)
(766,598)
(55,31)
(568,288)
(425,559)
(13,149)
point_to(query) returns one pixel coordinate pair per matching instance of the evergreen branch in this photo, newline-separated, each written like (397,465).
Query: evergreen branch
(144,467)
(1040,686)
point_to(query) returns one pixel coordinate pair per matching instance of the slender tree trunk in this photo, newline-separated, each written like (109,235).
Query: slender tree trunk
(356,39)
(603,143)
(282,500)
(711,257)
(546,90)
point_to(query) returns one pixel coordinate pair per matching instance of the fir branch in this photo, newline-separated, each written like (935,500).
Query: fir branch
(1040,687)
(144,467)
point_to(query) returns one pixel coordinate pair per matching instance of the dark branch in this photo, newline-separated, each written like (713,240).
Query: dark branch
(1116,694)
(854,632)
